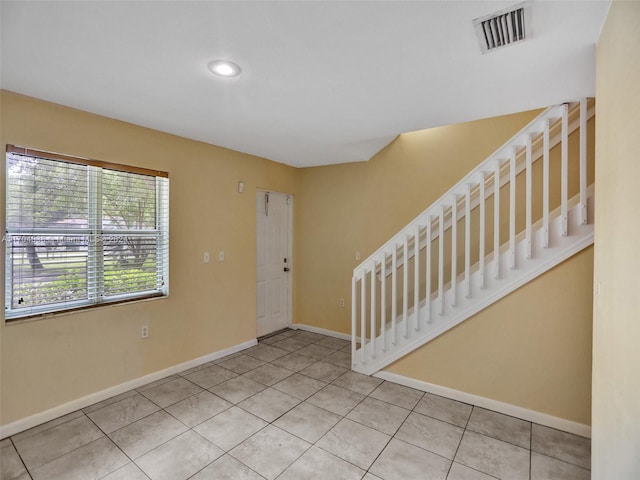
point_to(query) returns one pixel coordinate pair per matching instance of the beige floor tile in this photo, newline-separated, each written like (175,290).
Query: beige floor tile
(325,372)
(299,386)
(294,362)
(49,444)
(401,461)
(290,344)
(237,389)
(144,435)
(354,443)
(380,415)
(493,457)
(431,434)
(227,468)
(129,472)
(241,364)
(462,472)
(315,351)
(356,382)
(341,359)
(267,353)
(317,464)
(270,451)
(546,468)
(171,392)
(561,445)
(47,425)
(197,368)
(336,399)
(268,374)
(269,404)
(307,422)
(179,458)
(89,462)
(230,428)
(333,343)
(11,467)
(399,395)
(211,376)
(503,427)
(196,409)
(444,409)
(308,336)
(122,413)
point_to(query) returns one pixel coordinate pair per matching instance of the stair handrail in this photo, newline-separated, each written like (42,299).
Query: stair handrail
(518,140)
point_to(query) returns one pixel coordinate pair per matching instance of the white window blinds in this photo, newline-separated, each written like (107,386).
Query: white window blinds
(81,233)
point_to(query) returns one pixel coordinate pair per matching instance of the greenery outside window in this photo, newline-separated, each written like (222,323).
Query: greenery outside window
(81,233)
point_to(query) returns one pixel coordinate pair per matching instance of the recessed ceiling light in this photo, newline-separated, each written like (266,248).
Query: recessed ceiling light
(224,68)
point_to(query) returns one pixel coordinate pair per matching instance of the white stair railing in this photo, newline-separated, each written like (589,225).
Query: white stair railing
(455,259)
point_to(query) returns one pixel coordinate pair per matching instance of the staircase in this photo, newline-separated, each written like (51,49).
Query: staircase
(472,247)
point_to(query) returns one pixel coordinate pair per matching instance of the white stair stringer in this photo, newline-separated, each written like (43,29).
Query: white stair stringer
(375,355)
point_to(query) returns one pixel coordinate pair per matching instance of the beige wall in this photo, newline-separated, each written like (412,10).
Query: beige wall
(211,306)
(357,207)
(531,349)
(616,348)
(339,210)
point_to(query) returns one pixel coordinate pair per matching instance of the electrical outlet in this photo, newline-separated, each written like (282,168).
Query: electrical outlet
(206,258)
(144,331)
(221,256)
(342,303)
(358,255)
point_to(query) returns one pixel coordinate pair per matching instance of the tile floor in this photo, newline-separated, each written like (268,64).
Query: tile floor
(289,408)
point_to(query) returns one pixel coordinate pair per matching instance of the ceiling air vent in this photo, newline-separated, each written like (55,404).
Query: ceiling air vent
(506,27)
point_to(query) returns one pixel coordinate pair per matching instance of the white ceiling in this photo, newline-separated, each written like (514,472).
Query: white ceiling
(323,81)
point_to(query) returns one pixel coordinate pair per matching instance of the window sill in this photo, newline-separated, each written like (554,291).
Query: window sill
(76,311)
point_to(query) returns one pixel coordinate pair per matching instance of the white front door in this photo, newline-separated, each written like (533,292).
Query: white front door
(273,261)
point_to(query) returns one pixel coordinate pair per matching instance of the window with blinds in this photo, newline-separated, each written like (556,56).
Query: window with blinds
(81,233)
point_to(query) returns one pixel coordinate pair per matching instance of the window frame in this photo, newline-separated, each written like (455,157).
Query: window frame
(95,235)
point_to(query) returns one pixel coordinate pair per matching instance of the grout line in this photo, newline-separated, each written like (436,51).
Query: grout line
(464,429)
(20,457)
(530,450)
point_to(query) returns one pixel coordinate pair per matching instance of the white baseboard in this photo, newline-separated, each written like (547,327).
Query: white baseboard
(495,405)
(74,405)
(322,331)
(488,403)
